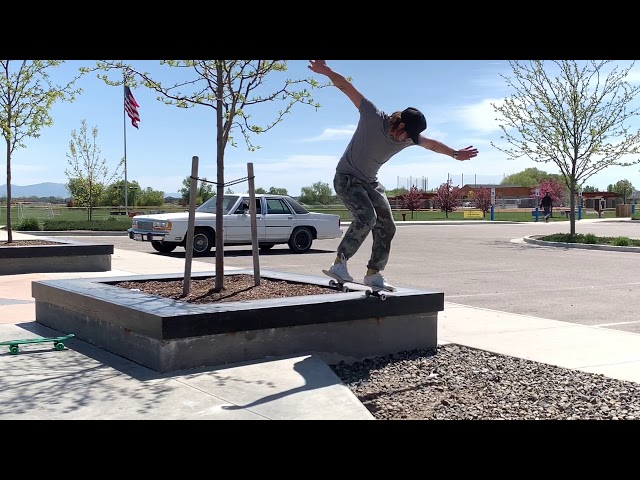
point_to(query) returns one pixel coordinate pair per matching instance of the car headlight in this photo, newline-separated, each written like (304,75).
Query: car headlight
(161,225)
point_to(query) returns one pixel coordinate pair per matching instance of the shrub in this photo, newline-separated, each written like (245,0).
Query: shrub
(590,238)
(621,241)
(30,225)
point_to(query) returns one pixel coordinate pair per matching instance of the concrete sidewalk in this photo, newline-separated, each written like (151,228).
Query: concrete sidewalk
(86,382)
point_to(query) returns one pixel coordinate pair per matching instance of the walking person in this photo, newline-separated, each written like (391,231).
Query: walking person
(546,204)
(378,137)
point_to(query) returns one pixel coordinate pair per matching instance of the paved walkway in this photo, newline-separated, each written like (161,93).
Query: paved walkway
(86,382)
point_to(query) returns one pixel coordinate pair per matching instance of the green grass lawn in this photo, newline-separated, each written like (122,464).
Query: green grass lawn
(63,218)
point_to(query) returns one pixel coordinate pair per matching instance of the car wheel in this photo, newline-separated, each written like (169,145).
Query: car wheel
(267,246)
(301,240)
(163,247)
(202,241)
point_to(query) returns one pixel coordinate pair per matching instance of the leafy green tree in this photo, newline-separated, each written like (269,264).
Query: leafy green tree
(448,197)
(529,177)
(412,200)
(91,172)
(273,191)
(232,88)
(624,188)
(575,114)
(319,192)
(588,189)
(278,191)
(204,190)
(27,95)
(149,197)
(396,192)
(113,195)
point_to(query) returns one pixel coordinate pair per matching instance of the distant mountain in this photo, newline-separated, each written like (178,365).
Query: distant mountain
(47,189)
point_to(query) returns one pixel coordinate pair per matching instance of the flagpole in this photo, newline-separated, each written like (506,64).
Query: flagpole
(126,187)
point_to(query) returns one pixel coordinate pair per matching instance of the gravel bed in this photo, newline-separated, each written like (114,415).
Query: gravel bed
(460,383)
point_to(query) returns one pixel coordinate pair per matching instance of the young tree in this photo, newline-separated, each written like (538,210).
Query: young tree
(278,191)
(90,172)
(412,200)
(588,188)
(624,188)
(448,197)
(577,119)
(232,88)
(481,198)
(27,95)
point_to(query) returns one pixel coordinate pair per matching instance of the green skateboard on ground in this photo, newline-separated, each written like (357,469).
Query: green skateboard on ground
(57,342)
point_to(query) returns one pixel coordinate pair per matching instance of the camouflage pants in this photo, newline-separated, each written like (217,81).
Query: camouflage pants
(371,212)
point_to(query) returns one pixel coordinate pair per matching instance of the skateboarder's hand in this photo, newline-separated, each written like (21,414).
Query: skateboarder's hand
(467,153)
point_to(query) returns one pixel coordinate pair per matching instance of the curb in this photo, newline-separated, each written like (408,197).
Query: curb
(533,239)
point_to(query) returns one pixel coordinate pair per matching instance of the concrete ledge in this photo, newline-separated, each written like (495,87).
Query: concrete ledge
(65,256)
(167,335)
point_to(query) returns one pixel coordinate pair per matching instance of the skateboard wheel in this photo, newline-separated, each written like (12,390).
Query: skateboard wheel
(333,283)
(59,346)
(383,297)
(14,349)
(367,293)
(345,289)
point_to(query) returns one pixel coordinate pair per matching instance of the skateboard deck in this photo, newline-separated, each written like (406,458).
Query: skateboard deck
(353,287)
(57,342)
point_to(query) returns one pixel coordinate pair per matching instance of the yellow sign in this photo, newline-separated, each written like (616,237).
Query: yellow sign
(473,214)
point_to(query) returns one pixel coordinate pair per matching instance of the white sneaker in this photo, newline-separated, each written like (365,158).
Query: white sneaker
(339,272)
(378,281)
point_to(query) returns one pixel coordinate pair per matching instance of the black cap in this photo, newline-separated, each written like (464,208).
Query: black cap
(414,123)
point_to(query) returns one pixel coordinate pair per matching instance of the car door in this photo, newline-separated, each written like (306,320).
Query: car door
(238,225)
(279,220)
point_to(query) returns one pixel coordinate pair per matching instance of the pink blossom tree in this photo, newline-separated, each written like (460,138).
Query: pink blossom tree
(448,197)
(412,200)
(481,199)
(555,188)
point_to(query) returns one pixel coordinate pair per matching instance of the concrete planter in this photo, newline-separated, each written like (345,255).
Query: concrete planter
(66,256)
(167,335)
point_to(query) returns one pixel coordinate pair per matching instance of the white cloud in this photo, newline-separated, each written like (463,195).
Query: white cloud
(480,116)
(333,134)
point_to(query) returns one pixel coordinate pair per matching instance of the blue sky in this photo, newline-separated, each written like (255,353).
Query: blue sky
(454,95)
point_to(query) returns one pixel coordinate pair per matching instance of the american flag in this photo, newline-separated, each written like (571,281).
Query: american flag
(131,106)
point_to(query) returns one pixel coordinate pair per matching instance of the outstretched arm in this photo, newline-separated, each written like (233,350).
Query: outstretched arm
(321,67)
(435,146)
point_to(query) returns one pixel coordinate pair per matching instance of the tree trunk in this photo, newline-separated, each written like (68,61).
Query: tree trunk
(572,206)
(9,232)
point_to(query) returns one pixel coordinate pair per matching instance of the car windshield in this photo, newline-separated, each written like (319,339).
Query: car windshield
(210,205)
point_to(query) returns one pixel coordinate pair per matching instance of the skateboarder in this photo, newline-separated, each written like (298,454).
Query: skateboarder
(378,137)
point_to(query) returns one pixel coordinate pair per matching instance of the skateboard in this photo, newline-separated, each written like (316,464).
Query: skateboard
(57,342)
(353,287)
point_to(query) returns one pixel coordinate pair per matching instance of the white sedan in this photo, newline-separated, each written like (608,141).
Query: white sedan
(280,219)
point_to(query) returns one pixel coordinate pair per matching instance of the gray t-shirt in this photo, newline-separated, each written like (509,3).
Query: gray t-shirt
(371,145)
